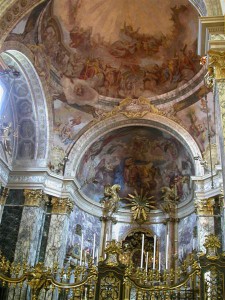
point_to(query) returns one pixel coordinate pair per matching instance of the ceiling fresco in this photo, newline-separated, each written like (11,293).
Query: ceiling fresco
(136,158)
(118,50)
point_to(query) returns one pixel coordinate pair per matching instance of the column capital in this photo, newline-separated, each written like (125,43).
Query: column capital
(4,196)
(62,205)
(35,198)
(217,61)
(205,206)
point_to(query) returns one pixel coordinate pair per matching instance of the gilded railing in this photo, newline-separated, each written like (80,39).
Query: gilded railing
(20,281)
(201,277)
(182,283)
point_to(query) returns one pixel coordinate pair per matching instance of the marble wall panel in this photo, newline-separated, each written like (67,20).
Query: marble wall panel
(186,239)
(9,229)
(90,225)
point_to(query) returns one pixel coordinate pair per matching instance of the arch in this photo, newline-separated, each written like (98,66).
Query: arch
(151,120)
(30,110)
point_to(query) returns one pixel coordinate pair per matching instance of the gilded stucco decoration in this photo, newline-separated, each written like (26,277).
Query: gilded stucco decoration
(35,198)
(205,207)
(61,205)
(217,60)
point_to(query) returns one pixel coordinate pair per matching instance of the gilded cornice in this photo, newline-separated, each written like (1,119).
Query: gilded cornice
(11,12)
(62,205)
(217,60)
(34,198)
(205,206)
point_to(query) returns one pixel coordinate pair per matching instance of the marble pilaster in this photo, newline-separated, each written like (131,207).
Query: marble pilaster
(217,63)
(58,231)
(206,220)
(31,225)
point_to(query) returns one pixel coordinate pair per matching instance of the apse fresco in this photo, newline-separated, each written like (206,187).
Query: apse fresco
(136,158)
(115,49)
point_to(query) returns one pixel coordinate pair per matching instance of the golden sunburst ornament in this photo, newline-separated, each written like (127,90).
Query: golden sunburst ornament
(140,205)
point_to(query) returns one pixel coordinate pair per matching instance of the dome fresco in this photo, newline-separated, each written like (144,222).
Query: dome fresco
(136,158)
(113,49)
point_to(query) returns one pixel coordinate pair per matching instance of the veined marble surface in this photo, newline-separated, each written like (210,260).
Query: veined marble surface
(28,242)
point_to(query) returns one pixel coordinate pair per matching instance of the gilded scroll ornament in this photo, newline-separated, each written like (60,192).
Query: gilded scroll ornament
(217,60)
(34,198)
(62,205)
(212,244)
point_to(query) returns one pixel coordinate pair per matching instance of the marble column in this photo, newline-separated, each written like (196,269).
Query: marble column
(206,221)
(217,74)
(31,225)
(58,231)
(106,232)
(3,197)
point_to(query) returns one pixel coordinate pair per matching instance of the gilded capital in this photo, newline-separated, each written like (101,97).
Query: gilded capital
(217,61)
(205,206)
(62,205)
(34,198)
(4,196)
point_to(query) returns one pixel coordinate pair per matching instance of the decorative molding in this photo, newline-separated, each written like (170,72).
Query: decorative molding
(35,198)
(13,13)
(62,205)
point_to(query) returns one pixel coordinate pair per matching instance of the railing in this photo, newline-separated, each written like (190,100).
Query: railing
(19,281)
(202,278)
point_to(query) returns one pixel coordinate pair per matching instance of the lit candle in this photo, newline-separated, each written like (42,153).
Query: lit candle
(159,261)
(167,250)
(142,250)
(146,266)
(154,252)
(93,254)
(81,249)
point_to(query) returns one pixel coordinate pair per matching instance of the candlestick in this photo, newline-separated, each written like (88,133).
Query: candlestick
(97,256)
(154,254)
(81,249)
(146,266)
(159,261)
(93,254)
(142,250)
(167,250)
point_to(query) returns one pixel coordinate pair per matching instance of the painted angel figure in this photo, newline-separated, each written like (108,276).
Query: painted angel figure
(111,199)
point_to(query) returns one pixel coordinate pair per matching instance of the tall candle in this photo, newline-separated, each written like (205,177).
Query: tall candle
(142,250)
(97,256)
(167,250)
(93,254)
(81,249)
(146,266)
(159,261)
(154,252)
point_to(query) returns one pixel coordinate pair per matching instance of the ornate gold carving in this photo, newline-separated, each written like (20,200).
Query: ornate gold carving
(140,204)
(212,244)
(62,205)
(217,60)
(34,198)
(4,196)
(110,200)
(112,251)
(205,206)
